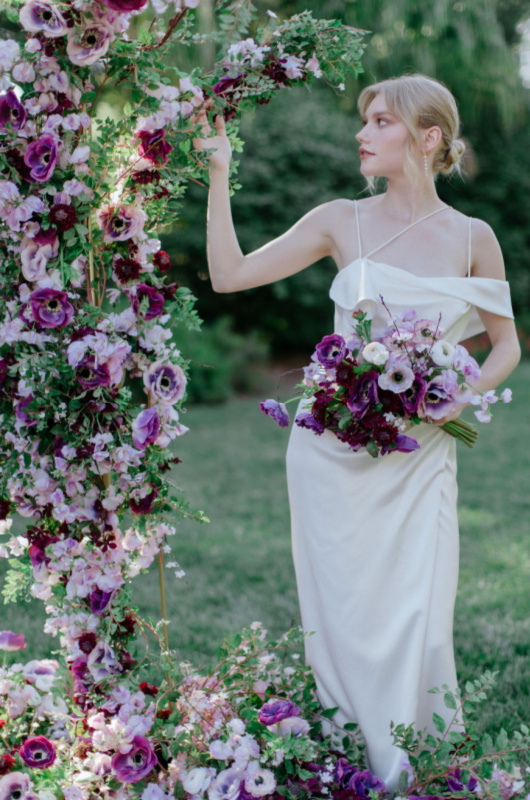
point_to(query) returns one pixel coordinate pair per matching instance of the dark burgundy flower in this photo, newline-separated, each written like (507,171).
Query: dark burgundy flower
(344,772)
(364,782)
(127,269)
(331,350)
(412,397)
(364,394)
(275,71)
(155,299)
(41,158)
(131,767)
(38,752)
(145,176)
(277,411)
(50,308)
(48,236)
(306,420)
(227,88)
(455,783)
(148,688)
(276,710)
(124,6)
(5,509)
(16,160)
(87,642)
(63,216)
(141,502)
(162,261)
(153,145)
(7,762)
(99,600)
(12,111)
(91,374)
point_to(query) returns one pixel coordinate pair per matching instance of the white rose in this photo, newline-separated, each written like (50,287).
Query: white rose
(376,353)
(442,353)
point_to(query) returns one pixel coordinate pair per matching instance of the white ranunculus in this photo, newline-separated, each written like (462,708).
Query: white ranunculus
(197,780)
(376,353)
(442,353)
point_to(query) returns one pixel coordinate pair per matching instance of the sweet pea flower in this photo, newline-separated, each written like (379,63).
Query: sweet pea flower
(92,43)
(506,396)
(294,726)
(197,780)
(277,411)
(12,641)
(154,146)
(9,53)
(124,6)
(23,72)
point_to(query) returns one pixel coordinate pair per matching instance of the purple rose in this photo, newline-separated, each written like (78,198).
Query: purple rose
(153,145)
(36,16)
(362,782)
(12,111)
(307,420)
(16,785)
(276,710)
(156,301)
(99,600)
(89,44)
(277,411)
(331,350)
(165,382)
(364,394)
(131,767)
(50,308)
(90,374)
(145,428)
(12,641)
(124,6)
(413,396)
(38,752)
(41,158)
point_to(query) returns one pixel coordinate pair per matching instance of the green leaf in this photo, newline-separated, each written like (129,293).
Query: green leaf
(449,700)
(439,722)
(350,726)
(372,449)
(328,713)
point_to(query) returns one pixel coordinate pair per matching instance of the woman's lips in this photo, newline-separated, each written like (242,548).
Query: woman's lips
(365,153)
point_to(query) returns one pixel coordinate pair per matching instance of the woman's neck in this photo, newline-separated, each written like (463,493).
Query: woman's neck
(407,203)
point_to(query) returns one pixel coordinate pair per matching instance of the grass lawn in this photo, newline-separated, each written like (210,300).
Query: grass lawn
(239,567)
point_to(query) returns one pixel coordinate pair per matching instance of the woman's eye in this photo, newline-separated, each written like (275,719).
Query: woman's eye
(382,120)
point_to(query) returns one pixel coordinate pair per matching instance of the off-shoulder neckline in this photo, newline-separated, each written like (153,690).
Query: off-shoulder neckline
(413,275)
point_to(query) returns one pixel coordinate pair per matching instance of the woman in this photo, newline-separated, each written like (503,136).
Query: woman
(375,541)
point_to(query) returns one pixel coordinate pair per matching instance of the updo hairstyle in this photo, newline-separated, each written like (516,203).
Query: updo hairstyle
(421,102)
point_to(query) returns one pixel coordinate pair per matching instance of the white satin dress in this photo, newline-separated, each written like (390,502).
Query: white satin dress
(375,541)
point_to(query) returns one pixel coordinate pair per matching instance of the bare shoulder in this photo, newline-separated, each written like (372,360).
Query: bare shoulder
(487,258)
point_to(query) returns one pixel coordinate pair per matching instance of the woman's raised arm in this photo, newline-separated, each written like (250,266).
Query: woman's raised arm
(307,241)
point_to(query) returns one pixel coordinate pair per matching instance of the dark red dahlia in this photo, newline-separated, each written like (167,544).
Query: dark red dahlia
(63,216)
(148,688)
(87,642)
(154,146)
(162,261)
(5,509)
(127,269)
(7,763)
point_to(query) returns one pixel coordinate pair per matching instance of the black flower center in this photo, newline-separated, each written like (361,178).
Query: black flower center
(46,157)
(39,755)
(398,377)
(85,373)
(89,39)
(118,224)
(52,305)
(16,794)
(165,382)
(432,397)
(138,759)
(426,333)
(46,15)
(15,113)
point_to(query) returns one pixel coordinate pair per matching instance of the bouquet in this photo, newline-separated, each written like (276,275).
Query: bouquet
(368,392)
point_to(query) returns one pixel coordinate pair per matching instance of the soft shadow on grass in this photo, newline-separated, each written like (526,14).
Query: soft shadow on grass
(239,566)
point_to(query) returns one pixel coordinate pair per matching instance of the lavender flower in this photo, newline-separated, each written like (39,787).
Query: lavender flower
(36,16)
(124,6)
(102,662)
(405,444)
(293,726)
(155,299)
(90,374)
(93,43)
(226,786)
(41,158)
(276,710)
(38,752)
(343,772)
(306,420)
(439,400)
(12,641)
(99,600)
(277,411)
(142,500)
(413,396)
(12,111)
(51,308)
(145,428)
(331,350)
(397,378)
(131,767)
(120,223)
(165,382)
(16,786)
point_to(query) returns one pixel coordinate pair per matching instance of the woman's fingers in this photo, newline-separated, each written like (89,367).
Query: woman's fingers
(220,125)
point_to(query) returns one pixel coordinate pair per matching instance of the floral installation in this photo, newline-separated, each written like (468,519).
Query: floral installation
(92,377)
(369,391)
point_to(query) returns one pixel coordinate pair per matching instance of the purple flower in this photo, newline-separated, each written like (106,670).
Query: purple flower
(90,44)
(145,428)
(12,641)
(277,411)
(397,378)
(465,363)
(120,223)
(227,88)
(455,784)
(41,158)
(363,394)
(153,145)
(306,420)
(438,400)
(165,382)
(364,782)
(155,299)
(226,785)
(413,396)
(405,444)
(102,662)
(331,350)
(124,6)
(141,500)
(36,16)
(12,111)
(295,726)
(90,374)
(51,308)
(99,600)
(16,786)
(38,752)
(343,772)
(276,710)
(131,767)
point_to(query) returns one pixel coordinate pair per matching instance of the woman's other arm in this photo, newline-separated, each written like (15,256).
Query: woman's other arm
(307,241)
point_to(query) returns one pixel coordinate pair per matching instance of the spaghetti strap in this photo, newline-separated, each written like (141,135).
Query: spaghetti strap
(406,229)
(469,250)
(358,229)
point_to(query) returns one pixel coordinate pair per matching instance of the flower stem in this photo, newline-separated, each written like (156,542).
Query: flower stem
(466,432)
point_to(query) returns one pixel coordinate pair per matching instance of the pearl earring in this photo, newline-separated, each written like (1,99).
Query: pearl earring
(426,165)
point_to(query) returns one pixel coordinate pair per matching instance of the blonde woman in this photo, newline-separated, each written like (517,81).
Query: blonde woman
(375,541)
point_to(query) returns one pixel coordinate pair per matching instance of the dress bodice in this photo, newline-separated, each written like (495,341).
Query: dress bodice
(361,284)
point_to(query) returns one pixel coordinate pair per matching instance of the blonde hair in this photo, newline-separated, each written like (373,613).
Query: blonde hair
(420,102)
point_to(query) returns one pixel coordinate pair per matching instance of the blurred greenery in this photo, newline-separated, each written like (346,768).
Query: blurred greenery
(239,567)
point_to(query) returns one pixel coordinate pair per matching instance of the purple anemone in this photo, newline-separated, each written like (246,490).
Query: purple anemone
(364,394)
(153,145)
(131,767)
(438,400)
(16,785)
(38,752)
(90,44)
(41,158)
(165,382)
(124,6)
(90,374)
(277,411)
(363,782)
(50,308)
(331,350)
(120,223)
(145,428)
(36,16)
(413,396)
(307,420)
(276,710)
(12,111)
(155,299)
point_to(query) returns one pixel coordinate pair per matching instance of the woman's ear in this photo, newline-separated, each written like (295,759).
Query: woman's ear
(431,138)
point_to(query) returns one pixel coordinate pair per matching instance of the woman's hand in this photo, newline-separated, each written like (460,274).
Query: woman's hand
(220,158)
(450,417)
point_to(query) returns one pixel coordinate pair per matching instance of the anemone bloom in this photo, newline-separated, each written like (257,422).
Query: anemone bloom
(131,767)
(165,382)
(38,752)
(12,111)
(41,158)
(36,17)
(50,308)
(91,43)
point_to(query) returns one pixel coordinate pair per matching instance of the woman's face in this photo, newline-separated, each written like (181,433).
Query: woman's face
(383,140)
